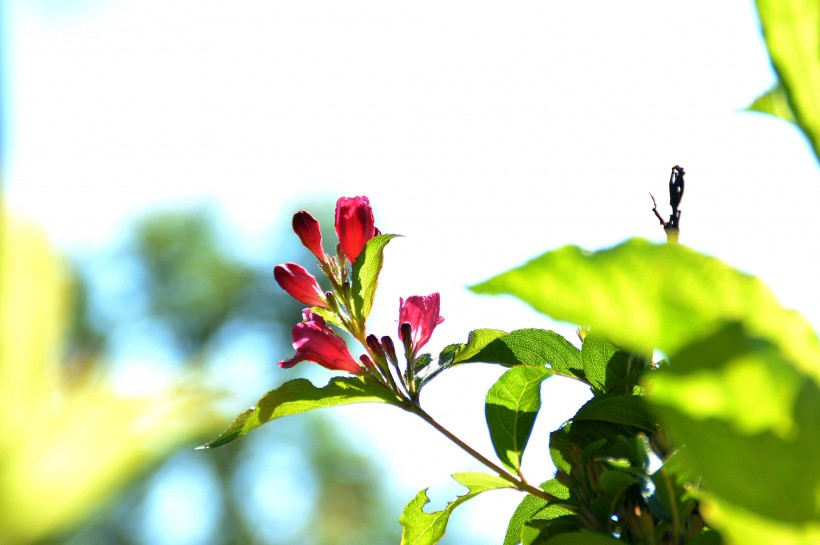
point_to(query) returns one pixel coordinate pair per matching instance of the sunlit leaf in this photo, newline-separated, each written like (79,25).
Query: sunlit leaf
(366,273)
(640,295)
(328,316)
(512,405)
(596,353)
(420,528)
(773,102)
(749,423)
(792,32)
(299,396)
(476,341)
(741,527)
(532,347)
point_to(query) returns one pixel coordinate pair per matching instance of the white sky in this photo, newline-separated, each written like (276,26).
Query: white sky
(484,132)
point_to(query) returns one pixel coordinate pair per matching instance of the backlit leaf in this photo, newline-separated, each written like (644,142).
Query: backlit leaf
(420,528)
(773,102)
(640,295)
(792,32)
(749,423)
(532,347)
(512,405)
(476,341)
(299,396)
(366,273)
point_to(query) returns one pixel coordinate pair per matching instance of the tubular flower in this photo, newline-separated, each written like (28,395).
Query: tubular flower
(307,228)
(422,313)
(354,225)
(314,341)
(300,284)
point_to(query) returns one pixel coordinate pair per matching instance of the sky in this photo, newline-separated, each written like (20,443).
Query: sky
(485,133)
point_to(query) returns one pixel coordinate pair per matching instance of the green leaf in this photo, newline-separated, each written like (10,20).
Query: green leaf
(609,368)
(773,102)
(740,527)
(420,528)
(671,498)
(713,538)
(512,405)
(532,347)
(534,508)
(476,341)
(299,396)
(629,410)
(748,419)
(640,295)
(583,538)
(329,316)
(596,353)
(792,32)
(612,489)
(366,273)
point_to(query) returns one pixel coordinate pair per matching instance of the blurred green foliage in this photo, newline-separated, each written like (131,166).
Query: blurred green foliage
(791,29)
(69,439)
(93,474)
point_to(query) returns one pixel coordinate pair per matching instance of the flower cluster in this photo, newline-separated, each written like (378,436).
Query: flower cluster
(344,304)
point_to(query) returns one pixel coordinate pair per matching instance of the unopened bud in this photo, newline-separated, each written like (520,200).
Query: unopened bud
(374,346)
(367,362)
(299,284)
(330,298)
(307,228)
(406,335)
(390,349)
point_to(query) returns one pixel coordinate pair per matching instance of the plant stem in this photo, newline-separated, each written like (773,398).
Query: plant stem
(519,483)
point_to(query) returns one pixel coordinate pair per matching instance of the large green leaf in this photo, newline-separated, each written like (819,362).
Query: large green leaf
(532,347)
(420,528)
(640,295)
(512,405)
(299,396)
(366,273)
(749,422)
(792,32)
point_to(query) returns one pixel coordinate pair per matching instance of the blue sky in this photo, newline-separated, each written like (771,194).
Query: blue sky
(484,133)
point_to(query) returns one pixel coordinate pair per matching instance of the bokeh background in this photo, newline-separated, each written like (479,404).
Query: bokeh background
(153,153)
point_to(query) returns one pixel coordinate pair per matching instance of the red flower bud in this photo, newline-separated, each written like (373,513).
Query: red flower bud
(309,233)
(314,341)
(354,225)
(300,284)
(422,313)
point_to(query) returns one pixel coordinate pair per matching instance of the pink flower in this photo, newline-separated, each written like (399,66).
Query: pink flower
(354,225)
(300,284)
(309,233)
(314,341)
(422,313)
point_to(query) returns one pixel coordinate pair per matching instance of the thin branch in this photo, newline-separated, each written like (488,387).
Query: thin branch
(520,484)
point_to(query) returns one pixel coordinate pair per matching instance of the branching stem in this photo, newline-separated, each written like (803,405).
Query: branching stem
(519,483)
